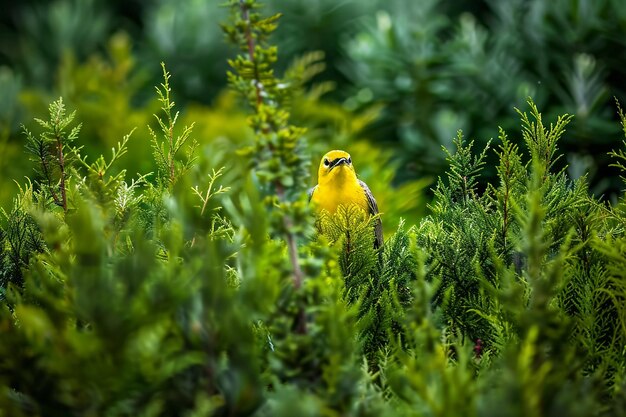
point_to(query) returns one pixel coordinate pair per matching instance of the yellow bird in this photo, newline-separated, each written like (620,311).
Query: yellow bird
(337,185)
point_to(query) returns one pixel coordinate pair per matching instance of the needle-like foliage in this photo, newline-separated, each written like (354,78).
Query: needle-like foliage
(204,291)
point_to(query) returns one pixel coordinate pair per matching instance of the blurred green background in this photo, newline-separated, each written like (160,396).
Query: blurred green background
(400,78)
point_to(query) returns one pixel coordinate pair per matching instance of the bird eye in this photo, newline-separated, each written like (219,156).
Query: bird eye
(349,160)
(326,162)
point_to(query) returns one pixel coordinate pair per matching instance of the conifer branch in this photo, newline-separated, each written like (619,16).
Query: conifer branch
(49,150)
(169,168)
(507,172)
(265,129)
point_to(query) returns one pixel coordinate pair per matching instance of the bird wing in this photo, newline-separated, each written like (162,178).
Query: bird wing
(373,210)
(311,191)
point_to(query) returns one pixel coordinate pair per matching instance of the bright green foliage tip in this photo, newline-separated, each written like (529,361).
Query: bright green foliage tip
(204,291)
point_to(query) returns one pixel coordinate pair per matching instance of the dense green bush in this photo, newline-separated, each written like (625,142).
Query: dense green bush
(199,286)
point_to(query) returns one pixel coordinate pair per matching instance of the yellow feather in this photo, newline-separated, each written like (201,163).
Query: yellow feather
(338,185)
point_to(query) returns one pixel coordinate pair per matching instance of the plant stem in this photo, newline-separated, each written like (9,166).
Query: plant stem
(46,174)
(245,14)
(280,192)
(171,154)
(62,168)
(505,203)
(291,245)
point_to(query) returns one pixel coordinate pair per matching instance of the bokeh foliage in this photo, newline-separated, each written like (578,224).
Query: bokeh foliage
(436,66)
(160,277)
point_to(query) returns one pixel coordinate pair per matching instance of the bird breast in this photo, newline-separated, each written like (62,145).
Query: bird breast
(330,196)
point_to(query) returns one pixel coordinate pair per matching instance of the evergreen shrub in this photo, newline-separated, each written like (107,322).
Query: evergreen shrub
(197,290)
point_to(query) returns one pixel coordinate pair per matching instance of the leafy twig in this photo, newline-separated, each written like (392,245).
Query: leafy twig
(210,192)
(166,152)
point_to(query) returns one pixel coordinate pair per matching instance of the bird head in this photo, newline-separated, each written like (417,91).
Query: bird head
(335,165)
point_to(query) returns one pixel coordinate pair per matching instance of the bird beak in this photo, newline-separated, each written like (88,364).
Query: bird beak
(337,162)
